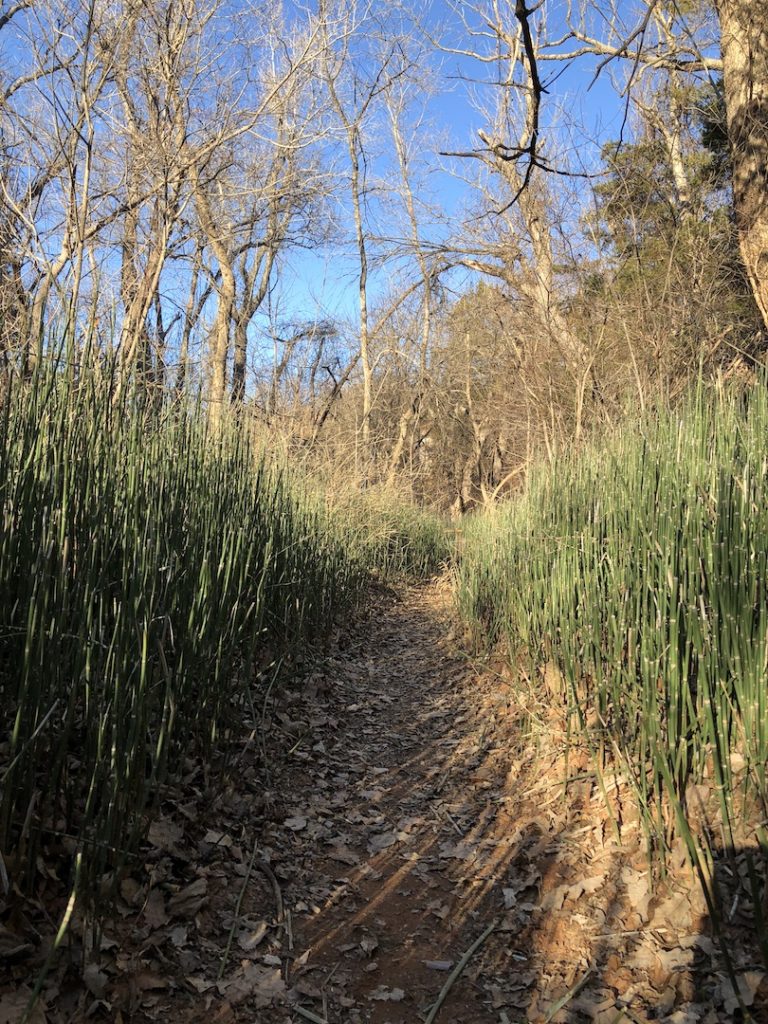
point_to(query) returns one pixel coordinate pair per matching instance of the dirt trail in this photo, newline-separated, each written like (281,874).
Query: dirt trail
(406,813)
(403,839)
(419,816)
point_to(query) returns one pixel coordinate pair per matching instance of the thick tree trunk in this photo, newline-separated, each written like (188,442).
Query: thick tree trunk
(744,45)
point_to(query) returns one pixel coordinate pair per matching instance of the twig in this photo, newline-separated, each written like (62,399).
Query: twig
(564,1000)
(453,822)
(258,862)
(308,1015)
(238,905)
(457,972)
(266,870)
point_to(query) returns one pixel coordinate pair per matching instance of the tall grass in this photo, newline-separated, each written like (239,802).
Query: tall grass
(393,536)
(149,575)
(640,570)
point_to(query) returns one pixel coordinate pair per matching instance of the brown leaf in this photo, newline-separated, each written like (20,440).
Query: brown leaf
(13,1006)
(165,834)
(252,981)
(188,900)
(296,823)
(217,838)
(200,985)
(154,910)
(638,890)
(748,984)
(341,853)
(131,891)
(13,946)
(382,841)
(306,988)
(458,851)
(96,980)
(250,938)
(148,981)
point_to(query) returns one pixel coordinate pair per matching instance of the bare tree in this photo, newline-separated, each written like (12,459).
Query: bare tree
(520,206)
(429,263)
(354,83)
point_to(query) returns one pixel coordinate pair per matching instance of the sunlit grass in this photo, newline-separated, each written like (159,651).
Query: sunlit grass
(639,569)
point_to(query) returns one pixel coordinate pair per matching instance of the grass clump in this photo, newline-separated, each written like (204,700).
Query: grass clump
(150,574)
(639,568)
(394,537)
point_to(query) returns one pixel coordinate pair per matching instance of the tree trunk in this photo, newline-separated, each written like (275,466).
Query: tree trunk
(219,349)
(240,358)
(744,45)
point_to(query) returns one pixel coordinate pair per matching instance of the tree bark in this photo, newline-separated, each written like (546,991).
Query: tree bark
(744,45)
(219,350)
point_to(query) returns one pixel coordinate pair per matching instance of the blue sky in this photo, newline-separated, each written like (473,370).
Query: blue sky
(582,113)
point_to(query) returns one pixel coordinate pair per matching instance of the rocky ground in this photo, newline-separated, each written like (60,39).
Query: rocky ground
(403,849)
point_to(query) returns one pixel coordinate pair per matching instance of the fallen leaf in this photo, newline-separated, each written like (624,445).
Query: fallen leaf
(344,855)
(217,838)
(148,981)
(637,888)
(188,900)
(685,1015)
(295,824)
(307,989)
(675,912)
(510,898)
(253,981)
(387,995)
(96,980)
(252,937)
(748,984)
(13,946)
(200,984)
(165,834)
(382,841)
(131,891)
(154,910)
(555,899)
(458,851)
(13,1006)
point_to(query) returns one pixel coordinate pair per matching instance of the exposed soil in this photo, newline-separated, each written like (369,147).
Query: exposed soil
(408,810)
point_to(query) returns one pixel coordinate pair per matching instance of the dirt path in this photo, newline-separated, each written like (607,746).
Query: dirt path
(402,837)
(417,817)
(407,814)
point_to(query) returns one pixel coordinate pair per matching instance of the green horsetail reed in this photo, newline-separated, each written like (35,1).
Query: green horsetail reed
(638,569)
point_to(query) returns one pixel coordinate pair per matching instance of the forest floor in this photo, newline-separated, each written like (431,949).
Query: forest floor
(408,815)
